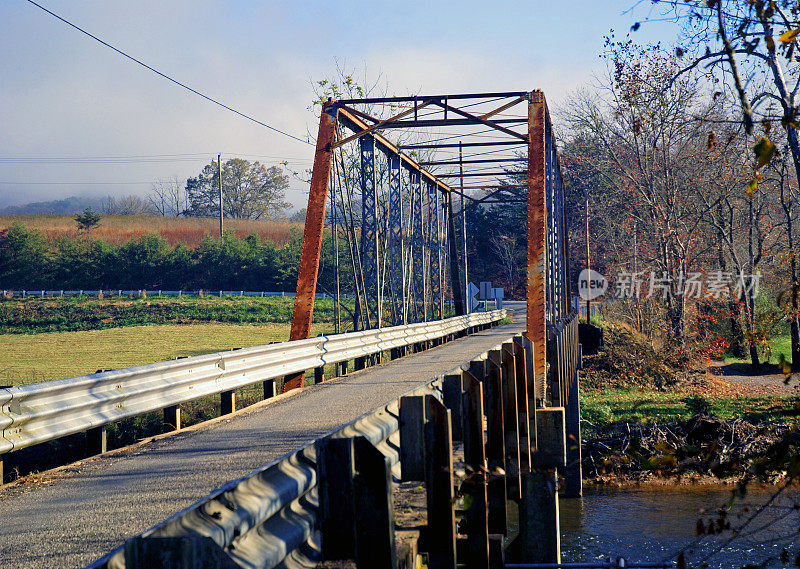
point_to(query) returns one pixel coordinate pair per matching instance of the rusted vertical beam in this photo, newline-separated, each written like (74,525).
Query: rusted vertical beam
(312,235)
(537,226)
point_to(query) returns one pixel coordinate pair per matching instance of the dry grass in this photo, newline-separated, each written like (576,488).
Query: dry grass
(28,358)
(119,229)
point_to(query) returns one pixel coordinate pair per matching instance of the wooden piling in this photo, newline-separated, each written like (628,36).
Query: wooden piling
(439,485)
(374,515)
(336,472)
(495,443)
(477,524)
(573,472)
(539,538)
(512,423)
(412,438)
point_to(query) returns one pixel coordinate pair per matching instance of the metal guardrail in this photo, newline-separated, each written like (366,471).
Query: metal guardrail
(32,414)
(269,518)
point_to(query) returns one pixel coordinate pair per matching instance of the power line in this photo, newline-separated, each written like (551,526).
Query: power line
(137,158)
(167,77)
(75,183)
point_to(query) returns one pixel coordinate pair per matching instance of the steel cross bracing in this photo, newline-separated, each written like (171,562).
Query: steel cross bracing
(396,280)
(417,251)
(400,219)
(434,260)
(369,232)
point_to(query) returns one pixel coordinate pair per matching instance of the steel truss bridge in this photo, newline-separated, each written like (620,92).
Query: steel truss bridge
(397,176)
(313,473)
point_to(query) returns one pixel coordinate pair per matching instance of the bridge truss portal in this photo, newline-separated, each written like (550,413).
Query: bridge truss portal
(397,176)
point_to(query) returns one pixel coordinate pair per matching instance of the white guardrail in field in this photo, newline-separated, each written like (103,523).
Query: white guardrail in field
(32,414)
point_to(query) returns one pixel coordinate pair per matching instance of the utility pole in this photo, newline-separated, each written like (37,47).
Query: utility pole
(219,174)
(588,259)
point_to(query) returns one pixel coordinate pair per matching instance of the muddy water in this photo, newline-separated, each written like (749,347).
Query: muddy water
(654,524)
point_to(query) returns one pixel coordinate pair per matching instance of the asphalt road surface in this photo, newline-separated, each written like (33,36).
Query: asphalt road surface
(71,517)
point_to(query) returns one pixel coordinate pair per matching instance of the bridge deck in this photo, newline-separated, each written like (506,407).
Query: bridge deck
(77,514)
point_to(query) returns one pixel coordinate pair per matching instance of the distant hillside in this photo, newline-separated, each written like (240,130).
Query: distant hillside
(67,206)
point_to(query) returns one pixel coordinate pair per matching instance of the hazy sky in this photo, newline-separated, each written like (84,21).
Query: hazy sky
(64,98)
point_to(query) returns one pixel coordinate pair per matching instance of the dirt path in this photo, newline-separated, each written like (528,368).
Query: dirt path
(740,380)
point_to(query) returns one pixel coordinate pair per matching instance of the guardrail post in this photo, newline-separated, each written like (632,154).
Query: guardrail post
(269,389)
(374,514)
(439,485)
(573,471)
(171,420)
(96,441)
(2,473)
(512,422)
(477,525)
(412,438)
(335,472)
(359,363)
(227,402)
(451,396)
(495,444)
(319,374)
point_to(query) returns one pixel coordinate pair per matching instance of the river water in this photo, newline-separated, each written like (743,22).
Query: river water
(656,523)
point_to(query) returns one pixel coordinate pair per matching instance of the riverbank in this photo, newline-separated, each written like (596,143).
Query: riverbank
(653,416)
(701,450)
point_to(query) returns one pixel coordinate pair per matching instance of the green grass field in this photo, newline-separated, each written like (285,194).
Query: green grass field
(31,358)
(36,315)
(781,345)
(607,406)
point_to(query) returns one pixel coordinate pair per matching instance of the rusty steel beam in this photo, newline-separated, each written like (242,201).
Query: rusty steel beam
(355,123)
(487,174)
(312,235)
(430,123)
(502,108)
(495,124)
(430,146)
(414,98)
(537,227)
(469,161)
(381,124)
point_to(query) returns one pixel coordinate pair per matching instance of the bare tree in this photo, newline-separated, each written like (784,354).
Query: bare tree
(749,47)
(650,152)
(510,256)
(127,205)
(168,197)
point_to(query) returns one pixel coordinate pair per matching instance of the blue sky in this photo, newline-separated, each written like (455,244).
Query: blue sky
(66,96)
